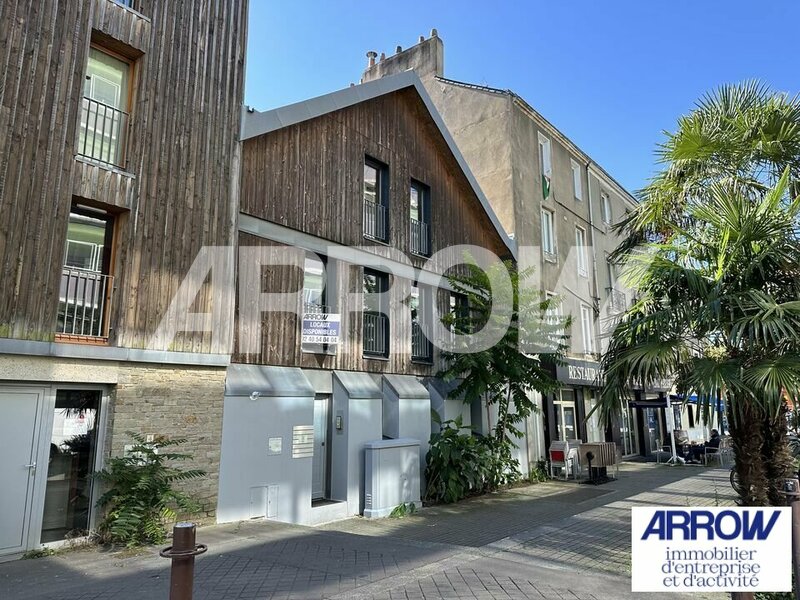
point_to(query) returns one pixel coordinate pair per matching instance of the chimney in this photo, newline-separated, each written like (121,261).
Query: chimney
(426,58)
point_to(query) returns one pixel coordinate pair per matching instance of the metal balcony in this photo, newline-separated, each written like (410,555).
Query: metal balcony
(84,303)
(376,334)
(376,221)
(103,133)
(421,347)
(617,301)
(420,238)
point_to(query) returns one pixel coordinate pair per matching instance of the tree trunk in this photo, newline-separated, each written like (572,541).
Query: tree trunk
(746,420)
(776,455)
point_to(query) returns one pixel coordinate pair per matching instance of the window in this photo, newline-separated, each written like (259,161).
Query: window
(564,410)
(580,249)
(587,329)
(459,309)
(103,129)
(315,302)
(552,315)
(577,182)
(545,164)
(617,298)
(86,279)
(376,323)
(421,347)
(314,292)
(376,196)
(605,209)
(548,240)
(419,203)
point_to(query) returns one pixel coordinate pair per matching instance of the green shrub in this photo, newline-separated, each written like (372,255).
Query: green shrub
(457,465)
(403,510)
(538,474)
(139,499)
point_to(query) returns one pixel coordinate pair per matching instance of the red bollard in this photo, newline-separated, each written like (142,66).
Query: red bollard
(182,553)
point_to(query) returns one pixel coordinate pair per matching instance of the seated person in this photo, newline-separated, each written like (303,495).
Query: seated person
(712,444)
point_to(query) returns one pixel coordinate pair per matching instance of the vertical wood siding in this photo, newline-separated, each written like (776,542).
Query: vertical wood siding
(309,177)
(176,195)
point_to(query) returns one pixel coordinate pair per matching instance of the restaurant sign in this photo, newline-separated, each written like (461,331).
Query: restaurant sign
(321,328)
(579,372)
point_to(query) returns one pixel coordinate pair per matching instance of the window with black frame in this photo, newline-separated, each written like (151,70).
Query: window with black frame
(419,303)
(375,320)
(376,201)
(315,302)
(87,280)
(419,204)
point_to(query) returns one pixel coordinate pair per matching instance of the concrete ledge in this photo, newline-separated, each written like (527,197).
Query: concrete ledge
(115,353)
(381,513)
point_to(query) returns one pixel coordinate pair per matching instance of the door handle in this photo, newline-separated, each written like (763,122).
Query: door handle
(31,466)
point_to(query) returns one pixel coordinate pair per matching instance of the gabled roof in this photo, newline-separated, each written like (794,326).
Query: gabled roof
(255,124)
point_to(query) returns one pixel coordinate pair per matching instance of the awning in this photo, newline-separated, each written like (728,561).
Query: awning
(649,403)
(693,399)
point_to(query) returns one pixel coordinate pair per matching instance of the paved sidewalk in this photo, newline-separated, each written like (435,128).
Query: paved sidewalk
(553,540)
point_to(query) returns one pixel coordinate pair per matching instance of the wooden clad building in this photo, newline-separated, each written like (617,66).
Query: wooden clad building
(364,190)
(119,124)
(308,178)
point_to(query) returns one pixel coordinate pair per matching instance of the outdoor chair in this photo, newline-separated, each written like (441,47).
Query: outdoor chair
(721,454)
(662,450)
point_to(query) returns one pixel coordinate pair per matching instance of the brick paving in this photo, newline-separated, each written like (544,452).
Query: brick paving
(555,540)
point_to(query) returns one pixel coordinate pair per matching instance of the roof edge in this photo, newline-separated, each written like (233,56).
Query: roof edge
(256,123)
(551,129)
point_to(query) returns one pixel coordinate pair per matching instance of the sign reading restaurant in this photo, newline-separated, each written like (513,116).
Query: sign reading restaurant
(321,328)
(579,372)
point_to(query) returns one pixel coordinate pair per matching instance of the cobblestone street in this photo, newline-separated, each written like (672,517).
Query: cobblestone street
(554,540)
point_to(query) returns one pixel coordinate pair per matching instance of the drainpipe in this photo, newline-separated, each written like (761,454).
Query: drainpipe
(594,252)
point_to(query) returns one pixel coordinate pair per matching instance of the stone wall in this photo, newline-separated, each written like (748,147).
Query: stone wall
(179,402)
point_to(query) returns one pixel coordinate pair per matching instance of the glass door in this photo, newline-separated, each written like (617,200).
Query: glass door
(627,430)
(71,461)
(564,409)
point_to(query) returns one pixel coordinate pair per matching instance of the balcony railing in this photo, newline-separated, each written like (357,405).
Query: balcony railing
(84,303)
(421,347)
(617,301)
(420,238)
(376,221)
(103,133)
(315,309)
(376,334)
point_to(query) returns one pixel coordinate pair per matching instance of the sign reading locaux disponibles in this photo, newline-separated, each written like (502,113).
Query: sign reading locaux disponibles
(321,328)
(743,549)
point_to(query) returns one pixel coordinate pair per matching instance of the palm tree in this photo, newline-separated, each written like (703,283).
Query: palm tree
(719,309)
(742,132)
(713,249)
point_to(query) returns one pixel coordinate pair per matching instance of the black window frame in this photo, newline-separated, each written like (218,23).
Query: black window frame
(380,230)
(379,319)
(424,346)
(423,245)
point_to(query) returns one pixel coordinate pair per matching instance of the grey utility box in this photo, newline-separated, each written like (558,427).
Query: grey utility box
(391,476)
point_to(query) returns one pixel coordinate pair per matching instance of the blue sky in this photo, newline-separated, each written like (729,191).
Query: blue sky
(612,74)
